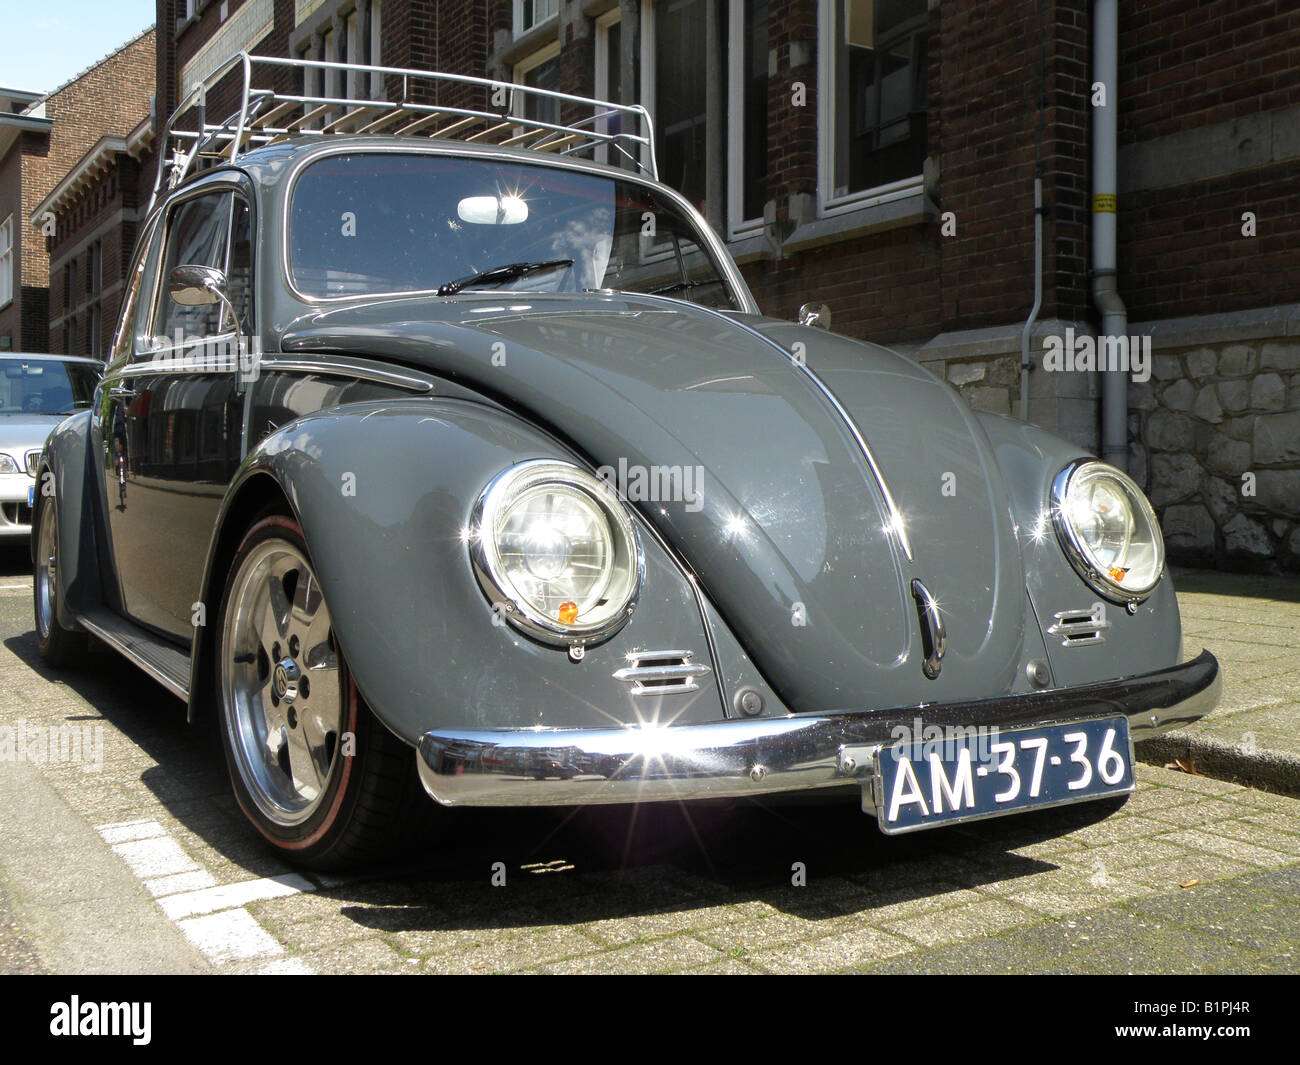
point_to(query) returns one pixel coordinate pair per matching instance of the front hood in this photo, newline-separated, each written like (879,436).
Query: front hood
(25,432)
(786,523)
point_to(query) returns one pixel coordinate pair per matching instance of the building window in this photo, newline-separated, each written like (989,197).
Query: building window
(6,260)
(872,100)
(531,13)
(747,76)
(675,68)
(541,70)
(615,85)
(96,347)
(69,285)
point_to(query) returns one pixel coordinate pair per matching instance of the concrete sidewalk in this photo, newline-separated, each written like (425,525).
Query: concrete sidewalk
(1252,624)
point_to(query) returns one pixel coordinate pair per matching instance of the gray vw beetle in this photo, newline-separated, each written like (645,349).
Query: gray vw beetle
(471,468)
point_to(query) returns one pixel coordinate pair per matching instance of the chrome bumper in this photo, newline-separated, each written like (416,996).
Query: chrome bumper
(728,759)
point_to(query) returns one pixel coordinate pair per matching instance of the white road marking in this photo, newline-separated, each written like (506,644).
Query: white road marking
(211,915)
(231,935)
(160,856)
(178,882)
(124,831)
(226,896)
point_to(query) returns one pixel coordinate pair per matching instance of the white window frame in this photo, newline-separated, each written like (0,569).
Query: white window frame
(604,23)
(531,62)
(828,204)
(7,261)
(737,228)
(520,28)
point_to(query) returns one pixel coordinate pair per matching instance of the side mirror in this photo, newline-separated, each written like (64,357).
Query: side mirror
(197,286)
(815,315)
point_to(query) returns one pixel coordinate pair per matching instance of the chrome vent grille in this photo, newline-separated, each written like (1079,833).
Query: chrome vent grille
(1075,627)
(661,672)
(32,459)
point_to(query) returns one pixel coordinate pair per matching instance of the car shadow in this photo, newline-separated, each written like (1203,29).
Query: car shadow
(806,858)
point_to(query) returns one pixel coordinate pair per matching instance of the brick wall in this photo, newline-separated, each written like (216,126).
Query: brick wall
(1189,65)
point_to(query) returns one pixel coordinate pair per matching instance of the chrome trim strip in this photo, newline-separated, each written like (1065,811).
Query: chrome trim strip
(895,515)
(131,654)
(745,757)
(347,368)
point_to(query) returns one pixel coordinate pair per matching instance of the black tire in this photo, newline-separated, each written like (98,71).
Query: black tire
(57,646)
(371,799)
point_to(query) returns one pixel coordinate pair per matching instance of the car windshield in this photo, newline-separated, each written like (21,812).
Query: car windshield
(370,222)
(45,386)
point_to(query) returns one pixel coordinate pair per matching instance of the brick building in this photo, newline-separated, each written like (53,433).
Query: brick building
(39,145)
(880,156)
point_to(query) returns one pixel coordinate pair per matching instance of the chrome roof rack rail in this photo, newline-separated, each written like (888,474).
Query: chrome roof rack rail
(266,116)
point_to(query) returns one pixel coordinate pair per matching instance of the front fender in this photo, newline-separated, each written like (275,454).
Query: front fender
(384,493)
(1134,643)
(66,469)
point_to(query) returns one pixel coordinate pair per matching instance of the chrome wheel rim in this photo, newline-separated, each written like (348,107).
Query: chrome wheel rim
(47,553)
(282,690)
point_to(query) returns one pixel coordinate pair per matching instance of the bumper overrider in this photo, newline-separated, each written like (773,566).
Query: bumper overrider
(729,759)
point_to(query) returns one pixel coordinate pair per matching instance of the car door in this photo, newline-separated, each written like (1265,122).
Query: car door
(173,414)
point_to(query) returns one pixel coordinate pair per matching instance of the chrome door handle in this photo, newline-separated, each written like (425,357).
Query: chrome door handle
(934,634)
(121,392)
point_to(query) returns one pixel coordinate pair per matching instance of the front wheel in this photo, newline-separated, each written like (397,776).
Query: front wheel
(315,772)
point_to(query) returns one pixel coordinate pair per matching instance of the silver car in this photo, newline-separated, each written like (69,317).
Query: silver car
(36,393)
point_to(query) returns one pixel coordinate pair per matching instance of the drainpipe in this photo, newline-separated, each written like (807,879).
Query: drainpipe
(1025,365)
(1105,288)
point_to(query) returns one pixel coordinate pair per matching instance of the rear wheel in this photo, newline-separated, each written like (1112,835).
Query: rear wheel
(317,774)
(55,644)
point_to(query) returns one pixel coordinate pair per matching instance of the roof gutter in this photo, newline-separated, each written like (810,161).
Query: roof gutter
(1105,286)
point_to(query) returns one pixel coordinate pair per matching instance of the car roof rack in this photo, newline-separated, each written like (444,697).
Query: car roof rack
(190,139)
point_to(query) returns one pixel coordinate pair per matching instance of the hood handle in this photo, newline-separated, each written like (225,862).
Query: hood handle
(934,634)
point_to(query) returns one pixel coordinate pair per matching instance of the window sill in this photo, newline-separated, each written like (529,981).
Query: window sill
(184,25)
(910,210)
(751,247)
(533,40)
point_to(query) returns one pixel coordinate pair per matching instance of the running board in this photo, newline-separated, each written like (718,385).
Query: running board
(168,665)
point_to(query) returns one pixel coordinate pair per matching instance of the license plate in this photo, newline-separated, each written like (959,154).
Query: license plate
(31,495)
(970,774)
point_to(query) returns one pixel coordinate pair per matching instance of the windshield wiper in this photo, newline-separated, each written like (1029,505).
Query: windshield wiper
(500,274)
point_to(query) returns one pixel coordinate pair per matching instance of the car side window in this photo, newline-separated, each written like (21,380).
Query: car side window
(239,264)
(126,325)
(196,236)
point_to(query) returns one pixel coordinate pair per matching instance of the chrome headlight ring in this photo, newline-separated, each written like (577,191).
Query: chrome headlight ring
(523,597)
(1136,564)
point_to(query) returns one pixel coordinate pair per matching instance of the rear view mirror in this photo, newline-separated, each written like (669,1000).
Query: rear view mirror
(196,286)
(492,210)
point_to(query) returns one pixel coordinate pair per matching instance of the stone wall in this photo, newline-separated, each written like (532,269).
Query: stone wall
(1215,441)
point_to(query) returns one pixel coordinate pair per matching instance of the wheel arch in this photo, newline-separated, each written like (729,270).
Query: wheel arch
(256,491)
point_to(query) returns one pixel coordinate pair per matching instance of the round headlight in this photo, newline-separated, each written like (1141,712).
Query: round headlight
(554,546)
(1108,529)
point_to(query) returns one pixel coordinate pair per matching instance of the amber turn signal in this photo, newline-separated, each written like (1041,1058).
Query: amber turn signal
(568,613)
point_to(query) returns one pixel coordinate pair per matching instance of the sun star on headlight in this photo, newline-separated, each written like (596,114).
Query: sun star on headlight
(557,548)
(1108,530)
